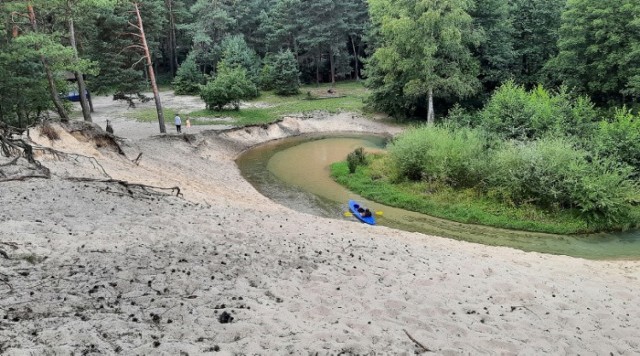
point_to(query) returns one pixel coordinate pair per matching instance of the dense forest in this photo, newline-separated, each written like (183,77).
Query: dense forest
(538,97)
(412,53)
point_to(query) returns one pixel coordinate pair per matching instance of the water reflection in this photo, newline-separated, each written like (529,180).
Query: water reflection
(295,172)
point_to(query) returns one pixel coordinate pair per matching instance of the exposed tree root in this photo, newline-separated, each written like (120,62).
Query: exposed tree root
(126,184)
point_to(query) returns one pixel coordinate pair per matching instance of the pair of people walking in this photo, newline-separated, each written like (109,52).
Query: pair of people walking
(178,122)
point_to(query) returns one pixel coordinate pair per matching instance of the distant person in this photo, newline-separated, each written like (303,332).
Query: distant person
(178,122)
(188,122)
(367,213)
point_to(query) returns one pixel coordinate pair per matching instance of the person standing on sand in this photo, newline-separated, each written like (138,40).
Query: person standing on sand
(178,122)
(188,122)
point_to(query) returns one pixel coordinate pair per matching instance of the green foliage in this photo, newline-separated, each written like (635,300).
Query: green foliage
(439,153)
(285,74)
(266,73)
(424,48)
(229,87)
(352,162)
(273,107)
(236,53)
(514,113)
(355,159)
(496,53)
(465,205)
(599,49)
(536,24)
(549,173)
(619,139)
(188,78)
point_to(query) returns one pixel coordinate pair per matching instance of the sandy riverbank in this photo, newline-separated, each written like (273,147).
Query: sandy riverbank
(102,268)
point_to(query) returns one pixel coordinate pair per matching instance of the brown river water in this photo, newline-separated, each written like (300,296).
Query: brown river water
(295,172)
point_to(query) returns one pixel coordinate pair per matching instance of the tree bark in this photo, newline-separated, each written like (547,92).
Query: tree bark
(430,114)
(53,90)
(332,64)
(82,88)
(152,76)
(173,44)
(355,56)
(318,70)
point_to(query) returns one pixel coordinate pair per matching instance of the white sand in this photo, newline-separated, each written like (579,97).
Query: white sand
(94,268)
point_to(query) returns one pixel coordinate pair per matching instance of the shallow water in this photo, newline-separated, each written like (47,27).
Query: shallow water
(295,172)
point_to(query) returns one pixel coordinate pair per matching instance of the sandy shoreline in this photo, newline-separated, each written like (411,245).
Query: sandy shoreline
(97,268)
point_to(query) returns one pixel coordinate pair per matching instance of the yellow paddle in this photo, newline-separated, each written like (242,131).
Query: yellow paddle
(379,213)
(348,214)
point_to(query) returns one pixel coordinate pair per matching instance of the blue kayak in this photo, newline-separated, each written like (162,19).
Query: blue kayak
(354,206)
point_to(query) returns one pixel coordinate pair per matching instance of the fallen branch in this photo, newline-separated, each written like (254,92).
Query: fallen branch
(125,184)
(424,348)
(137,160)
(513,307)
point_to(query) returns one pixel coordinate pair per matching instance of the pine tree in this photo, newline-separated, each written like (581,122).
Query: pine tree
(285,74)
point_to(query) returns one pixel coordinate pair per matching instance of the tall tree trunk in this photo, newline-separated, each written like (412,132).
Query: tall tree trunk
(90,103)
(319,58)
(356,58)
(430,115)
(152,75)
(53,90)
(295,49)
(332,65)
(82,88)
(174,41)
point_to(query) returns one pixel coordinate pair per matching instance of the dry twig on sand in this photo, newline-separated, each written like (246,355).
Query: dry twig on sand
(424,348)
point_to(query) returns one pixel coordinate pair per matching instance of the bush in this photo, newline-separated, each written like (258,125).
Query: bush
(619,139)
(229,87)
(237,53)
(552,174)
(285,74)
(514,113)
(266,73)
(440,153)
(355,159)
(352,162)
(188,78)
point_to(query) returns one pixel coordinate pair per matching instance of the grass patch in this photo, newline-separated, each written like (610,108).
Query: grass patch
(465,205)
(347,96)
(151,115)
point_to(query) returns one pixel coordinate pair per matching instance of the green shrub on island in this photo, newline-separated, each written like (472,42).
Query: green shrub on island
(440,153)
(355,159)
(549,175)
(512,112)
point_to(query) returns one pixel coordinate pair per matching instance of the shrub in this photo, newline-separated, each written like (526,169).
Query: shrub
(619,139)
(237,53)
(551,173)
(440,153)
(285,74)
(514,113)
(360,156)
(266,73)
(188,78)
(229,87)
(355,159)
(352,162)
